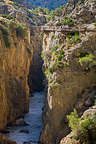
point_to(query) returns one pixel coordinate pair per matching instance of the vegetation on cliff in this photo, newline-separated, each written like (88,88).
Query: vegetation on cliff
(83,128)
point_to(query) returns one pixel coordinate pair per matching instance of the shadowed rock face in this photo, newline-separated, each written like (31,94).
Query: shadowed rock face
(36,75)
(14,68)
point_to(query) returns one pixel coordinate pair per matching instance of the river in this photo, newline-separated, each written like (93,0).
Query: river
(34,120)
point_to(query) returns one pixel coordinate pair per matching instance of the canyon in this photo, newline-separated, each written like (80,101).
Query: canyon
(60,56)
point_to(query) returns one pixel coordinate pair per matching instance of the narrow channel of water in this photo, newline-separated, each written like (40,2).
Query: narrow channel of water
(34,120)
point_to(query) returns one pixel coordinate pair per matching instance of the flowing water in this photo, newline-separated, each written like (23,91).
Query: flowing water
(34,120)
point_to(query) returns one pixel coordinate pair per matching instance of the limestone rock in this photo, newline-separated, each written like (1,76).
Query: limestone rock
(4,140)
(70,83)
(14,68)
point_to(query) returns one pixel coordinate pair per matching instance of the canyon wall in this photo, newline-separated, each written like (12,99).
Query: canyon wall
(15,57)
(36,75)
(69,65)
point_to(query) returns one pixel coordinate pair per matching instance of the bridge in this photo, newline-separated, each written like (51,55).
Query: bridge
(66,29)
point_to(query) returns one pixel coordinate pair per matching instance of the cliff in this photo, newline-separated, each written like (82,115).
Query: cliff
(36,75)
(69,46)
(15,56)
(14,10)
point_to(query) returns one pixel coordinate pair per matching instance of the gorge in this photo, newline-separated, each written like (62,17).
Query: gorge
(50,65)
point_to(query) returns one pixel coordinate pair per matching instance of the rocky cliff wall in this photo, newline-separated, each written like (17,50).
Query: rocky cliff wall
(15,56)
(69,63)
(36,75)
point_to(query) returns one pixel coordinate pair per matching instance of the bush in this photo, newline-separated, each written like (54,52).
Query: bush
(68,22)
(6,16)
(58,11)
(82,127)
(74,120)
(5,36)
(89,58)
(94,24)
(60,55)
(75,36)
(2,21)
(21,29)
(54,48)
(16,3)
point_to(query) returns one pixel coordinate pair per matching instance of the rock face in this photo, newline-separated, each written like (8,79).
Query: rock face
(15,57)
(71,78)
(4,140)
(20,13)
(11,11)
(36,75)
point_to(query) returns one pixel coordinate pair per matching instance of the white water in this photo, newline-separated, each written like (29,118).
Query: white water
(34,120)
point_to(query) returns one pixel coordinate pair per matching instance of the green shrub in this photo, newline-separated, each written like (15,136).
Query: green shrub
(21,29)
(69,36)
(49,70)
(76,37)
(16,3)
(89,58)
(74,120)
(54,48)
(53,67)
(2,21)
(60,55)
(6,16)
(82,127)
(53,37)
(5,36)
(68,22)
(58,11)
(94,24)
(50,17)
(83,54)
